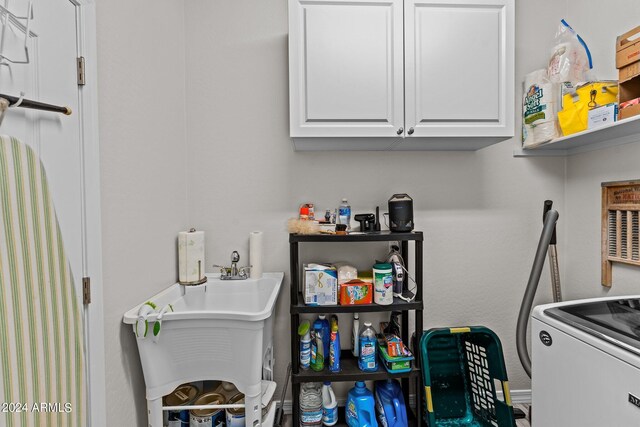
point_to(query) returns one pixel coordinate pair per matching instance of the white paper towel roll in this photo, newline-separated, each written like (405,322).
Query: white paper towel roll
(191,264)
(255,254)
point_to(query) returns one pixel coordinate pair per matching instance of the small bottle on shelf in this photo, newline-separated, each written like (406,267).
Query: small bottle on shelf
(344,214)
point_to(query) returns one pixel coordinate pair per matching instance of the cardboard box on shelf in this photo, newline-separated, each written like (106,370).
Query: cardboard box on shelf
(628,48)
(628,72)
(320,284)
(356,292)
(631,108)
(629,91)
(628,64)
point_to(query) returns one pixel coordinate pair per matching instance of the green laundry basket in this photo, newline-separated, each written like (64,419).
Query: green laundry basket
(462,369)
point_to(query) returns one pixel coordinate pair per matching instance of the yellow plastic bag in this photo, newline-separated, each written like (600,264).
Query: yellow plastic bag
(576,105)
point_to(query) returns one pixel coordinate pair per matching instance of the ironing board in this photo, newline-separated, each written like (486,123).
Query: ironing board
(42,356)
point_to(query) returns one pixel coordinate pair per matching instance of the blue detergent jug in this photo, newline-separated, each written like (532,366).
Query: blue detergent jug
(390,407)
(360,408)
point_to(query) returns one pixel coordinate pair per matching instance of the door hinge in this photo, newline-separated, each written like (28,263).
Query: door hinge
(86,290)
(81,75)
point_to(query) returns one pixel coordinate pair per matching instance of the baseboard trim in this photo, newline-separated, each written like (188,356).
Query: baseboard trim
(517,397)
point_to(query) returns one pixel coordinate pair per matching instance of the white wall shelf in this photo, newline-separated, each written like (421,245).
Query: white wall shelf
(618,133)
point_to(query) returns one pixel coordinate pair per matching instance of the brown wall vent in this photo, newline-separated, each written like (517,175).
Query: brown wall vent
(620,225)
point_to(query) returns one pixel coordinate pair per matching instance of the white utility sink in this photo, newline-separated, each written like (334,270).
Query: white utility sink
(221,330)
(249,300)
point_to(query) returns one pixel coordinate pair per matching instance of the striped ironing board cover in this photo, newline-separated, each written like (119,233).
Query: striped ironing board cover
(42,357)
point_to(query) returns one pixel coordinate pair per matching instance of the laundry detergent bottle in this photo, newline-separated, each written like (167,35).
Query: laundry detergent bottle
(360,408)
(390,407)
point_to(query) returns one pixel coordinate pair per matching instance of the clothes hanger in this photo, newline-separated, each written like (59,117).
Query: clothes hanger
(6,18)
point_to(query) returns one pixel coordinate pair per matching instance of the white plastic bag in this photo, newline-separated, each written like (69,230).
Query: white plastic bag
(570,57)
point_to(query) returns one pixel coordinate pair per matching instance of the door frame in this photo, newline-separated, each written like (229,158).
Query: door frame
(92,226)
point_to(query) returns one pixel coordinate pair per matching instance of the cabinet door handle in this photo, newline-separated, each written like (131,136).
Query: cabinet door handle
(410,131)
(400,131)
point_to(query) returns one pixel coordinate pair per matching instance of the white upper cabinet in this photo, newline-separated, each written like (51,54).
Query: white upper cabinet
(459,68)
(401,74)
(346,68)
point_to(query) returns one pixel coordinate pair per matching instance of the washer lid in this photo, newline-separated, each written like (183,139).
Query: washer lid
(616,321)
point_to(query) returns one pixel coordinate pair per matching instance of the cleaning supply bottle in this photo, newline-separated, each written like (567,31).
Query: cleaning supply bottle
(317,347)
(329,405)
(326,336)
(355,335)
(368,360)
(344,214)
(390,407)
(311,405)
(360,408)
(304,330)
(334,350)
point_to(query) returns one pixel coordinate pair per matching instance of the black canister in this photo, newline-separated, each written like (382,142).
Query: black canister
(400,213)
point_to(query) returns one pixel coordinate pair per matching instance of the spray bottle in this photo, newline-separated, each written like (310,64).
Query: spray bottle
(317,347)
(334,350)
(326,335)
(305,344)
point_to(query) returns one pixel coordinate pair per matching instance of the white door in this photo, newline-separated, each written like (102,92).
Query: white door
(50,77)
(61,30)
(459,66)
(346,68)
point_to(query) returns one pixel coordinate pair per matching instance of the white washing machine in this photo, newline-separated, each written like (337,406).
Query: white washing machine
(586,363)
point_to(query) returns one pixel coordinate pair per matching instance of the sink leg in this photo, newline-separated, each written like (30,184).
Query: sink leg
(253,407)
(154,412)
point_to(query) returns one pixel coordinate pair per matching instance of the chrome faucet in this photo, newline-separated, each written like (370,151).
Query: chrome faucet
(235,258)
(234,272)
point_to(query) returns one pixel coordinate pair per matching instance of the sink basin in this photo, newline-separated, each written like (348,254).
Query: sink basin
(221,330)
(248,300)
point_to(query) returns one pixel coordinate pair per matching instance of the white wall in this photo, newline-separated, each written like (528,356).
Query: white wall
(481,212)
(143,156)
(585,172)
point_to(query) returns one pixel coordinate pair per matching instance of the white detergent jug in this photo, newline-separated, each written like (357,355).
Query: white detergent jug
(329,405)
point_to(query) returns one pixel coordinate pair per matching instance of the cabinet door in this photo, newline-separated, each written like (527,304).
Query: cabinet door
(346,68)
(459,59)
